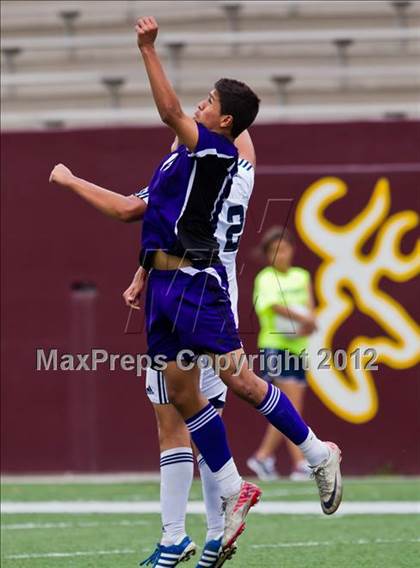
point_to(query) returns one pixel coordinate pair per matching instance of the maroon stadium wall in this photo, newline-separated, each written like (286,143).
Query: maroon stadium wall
(350,191)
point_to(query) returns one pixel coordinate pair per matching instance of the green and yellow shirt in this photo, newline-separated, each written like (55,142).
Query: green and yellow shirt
(290,289)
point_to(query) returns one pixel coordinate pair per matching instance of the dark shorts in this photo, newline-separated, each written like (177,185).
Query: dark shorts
(282,365)
(189,309)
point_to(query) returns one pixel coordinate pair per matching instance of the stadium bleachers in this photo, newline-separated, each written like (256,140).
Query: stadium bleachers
(70,63)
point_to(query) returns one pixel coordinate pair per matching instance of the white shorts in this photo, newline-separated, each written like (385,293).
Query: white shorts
(211,386)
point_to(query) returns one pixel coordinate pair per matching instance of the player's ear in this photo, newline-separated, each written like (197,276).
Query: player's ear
(226,121)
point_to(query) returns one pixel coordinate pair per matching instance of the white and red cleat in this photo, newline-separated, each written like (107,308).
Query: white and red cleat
(236,509)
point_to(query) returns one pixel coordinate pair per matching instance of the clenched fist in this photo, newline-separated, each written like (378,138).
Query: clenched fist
(61,175)
(147,30)
(132,295)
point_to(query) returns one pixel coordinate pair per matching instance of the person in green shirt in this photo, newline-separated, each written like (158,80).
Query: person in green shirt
(284,304)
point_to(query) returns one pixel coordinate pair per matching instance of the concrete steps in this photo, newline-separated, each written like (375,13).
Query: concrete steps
(57,70)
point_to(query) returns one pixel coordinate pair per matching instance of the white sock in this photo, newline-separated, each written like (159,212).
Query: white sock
(229,479)
(176,475)
(314,450)
(212,500)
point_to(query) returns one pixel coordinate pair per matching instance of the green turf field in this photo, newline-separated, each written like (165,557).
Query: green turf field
(271,541)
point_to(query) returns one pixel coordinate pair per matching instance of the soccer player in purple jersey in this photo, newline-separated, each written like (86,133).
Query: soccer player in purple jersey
(176,463)
(187,304)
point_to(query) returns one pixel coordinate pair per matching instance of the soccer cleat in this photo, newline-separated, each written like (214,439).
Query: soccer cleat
(265,469)
(236,509)
(169,556)
(213,556)
(328,478)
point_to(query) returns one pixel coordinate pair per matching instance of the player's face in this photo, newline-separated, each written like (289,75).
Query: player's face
(208,113)
(280,254)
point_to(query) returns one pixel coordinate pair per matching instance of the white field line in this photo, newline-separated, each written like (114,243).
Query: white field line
(265,508)
(277,545)
(87,525)
(359,541)
(69,554)
(76,478)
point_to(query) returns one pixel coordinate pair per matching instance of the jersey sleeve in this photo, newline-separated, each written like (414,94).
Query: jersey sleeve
(212,143)
(266,291)
(244,179)
(143,194)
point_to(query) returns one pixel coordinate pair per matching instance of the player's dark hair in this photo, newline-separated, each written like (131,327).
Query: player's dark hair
(238,100)
(276,233)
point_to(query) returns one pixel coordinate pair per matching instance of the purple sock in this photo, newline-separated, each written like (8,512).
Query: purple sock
(281,413)
(208,433)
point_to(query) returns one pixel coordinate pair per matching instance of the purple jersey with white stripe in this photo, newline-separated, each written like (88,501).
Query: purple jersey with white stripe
(186,195)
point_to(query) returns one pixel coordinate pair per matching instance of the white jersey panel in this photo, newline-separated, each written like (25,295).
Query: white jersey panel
(231,225)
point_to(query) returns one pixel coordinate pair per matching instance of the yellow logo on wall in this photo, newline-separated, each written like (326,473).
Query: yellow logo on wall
(351,392)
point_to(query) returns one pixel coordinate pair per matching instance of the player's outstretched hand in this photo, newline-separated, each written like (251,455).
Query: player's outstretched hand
(147,30)
(61,175)
(132,295)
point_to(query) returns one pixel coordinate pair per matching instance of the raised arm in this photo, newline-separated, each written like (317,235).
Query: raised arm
(166,100)
(245,147)
(125,208)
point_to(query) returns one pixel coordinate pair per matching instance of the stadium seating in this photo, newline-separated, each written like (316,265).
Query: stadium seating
(71,63)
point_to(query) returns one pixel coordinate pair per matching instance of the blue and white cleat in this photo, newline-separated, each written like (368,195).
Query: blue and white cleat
(169,556)
(213,556)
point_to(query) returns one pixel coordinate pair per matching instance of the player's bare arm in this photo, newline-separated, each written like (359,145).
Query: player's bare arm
(310,325)
(125,208)
(175,144)
(246,148)
(132,295)
(166,100)
(306,320)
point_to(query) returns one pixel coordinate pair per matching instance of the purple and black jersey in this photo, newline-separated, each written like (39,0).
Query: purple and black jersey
(186,195)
